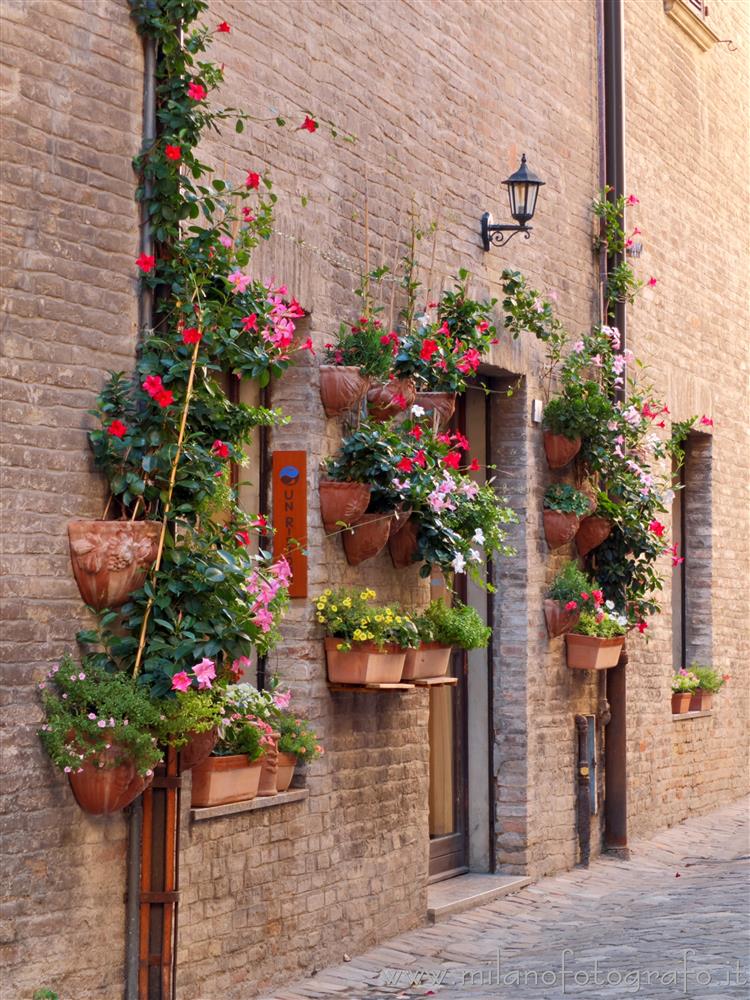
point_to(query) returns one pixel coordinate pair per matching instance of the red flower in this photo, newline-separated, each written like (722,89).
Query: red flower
(420,458)
(146,263)
(220,449)
(444,330)
(117,429)
(191,335)
(309,124)
(152,384)
(657,527)
(247,214)
(224,28)
(470,361)
(584,595)
(405,465)
(571,606)
(252,180)
(648,412)
(399,400)
(632,200)
(428,349)
(483,326)
(172,152)
(598,597)
(416,432)
(250,322)
(461,441)
(706,421)
(474,467)
(651,282)
(661,424)
(642,626)
(243,537)
(307,346)
(444,438)
(452,460)
(260,522)
(197,91)
(164,398)
(677,560)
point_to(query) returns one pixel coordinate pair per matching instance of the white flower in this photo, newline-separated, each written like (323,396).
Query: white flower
(478,537)
(609,605)
(474,556)
(417,410)
(459,563)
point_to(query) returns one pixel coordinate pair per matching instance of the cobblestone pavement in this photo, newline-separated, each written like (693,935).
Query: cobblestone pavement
(615,930)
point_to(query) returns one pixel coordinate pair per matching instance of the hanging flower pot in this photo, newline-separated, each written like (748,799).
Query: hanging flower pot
(701,701)
(558,619)
(197,748)
(403,544)
(285,770)
(380,398)
(589,652)
(342,502)
(110,559)
(559,449)
(107,782)
(559,527)
(400,518)
(269,770)
(431,660)
(681,702)
(366,538)
(342,388)
(592,531)
(364,663)
(441,404)
(220,780)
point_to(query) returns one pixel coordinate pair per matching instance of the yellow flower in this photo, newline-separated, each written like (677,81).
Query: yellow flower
(398,619)
(367,595)
(321,618)
(334,608)
(327,593)
(347,602)
(378,618)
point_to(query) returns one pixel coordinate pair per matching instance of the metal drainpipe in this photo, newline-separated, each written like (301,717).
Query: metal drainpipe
(615,747)
(145,319)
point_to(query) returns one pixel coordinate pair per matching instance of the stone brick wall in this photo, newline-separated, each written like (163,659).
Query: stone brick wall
(71,106)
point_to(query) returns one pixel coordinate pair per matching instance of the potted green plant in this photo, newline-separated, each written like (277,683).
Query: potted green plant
(99,729)
(189,721)
(562,430)
(563,507)
(684,683)
(596,527)
(441,628)
(570,593)
(232,772)
(597,640)
(359,642)
(710,682)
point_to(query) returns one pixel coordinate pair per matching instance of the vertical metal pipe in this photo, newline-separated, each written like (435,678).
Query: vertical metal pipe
(488,445)
(583,798)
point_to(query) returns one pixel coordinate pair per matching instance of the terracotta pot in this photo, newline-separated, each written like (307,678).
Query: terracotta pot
(220,780)
(342,388)
(403,545)
(588,652)
(109,787)
(680,702)
(701,701)
(559,449)
(110,559)
(430,660)
(559,528)
(342,502)
(366,538)
(364,663)
(285,770)
(558,619)
(380,403)
(441,404)
(268,772)
(197,748)
(400,517)
(592,531)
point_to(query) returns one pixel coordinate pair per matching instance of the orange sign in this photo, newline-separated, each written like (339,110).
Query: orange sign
(289,515)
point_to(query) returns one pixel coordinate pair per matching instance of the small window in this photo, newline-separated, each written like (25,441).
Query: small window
(692,17)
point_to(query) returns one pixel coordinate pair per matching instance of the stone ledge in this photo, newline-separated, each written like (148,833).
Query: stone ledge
(465,892)
(683,716)
(251,805)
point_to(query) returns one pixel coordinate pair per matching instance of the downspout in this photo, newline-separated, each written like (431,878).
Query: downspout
(145,319)
(615,747)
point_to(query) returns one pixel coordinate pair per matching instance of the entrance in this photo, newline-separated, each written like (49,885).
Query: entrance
(459,724)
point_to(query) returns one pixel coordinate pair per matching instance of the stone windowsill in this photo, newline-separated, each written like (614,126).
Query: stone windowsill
(683,716)
(684,14)
(251,805)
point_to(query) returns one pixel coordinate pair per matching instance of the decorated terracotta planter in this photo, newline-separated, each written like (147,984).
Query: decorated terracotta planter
(559,528)
(400,517)
(430,660)
(342,502)
(366,538)
(681,702)
(285,770)
(107,783)
(380,404)
(701,701)
(441,404)
(589,652)
(559,449)
(220,780)
(559,621)
(342,388)
(403,544)
(364,663)
(197,748)
(592,531)
(269,770)
(110,559)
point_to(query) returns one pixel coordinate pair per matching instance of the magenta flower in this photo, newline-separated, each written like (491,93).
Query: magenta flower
(181,681)
(205,671)
(282,698)
(239,280)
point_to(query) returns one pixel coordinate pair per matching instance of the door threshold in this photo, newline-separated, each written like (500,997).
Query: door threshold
(451,873)
(447,898)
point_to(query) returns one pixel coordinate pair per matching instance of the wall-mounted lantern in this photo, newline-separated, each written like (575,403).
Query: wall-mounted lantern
(523,188)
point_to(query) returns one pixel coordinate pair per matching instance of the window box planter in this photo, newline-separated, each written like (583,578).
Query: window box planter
(364,663)
(559,449)
(342,502)
(701,701)
(220,780)
(430,660)
(559,621)
(559,528)
(681,702)
(342,388)
(110,559)
(588,652)
(366,538)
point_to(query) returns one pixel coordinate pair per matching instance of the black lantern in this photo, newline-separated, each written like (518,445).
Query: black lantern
(523,188)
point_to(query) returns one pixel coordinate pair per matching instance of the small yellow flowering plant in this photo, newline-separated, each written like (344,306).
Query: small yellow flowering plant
(349,615)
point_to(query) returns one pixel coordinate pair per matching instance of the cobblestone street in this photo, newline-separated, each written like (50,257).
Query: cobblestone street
(672,922)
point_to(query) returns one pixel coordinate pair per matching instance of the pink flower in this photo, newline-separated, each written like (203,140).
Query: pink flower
(172,152)
(571,606)
(307,346)
(220,449)
(598,596)
(657,528)
(249,322)
(252,180)
(181,681)
(239,280)
(282,699)
(205,671)
(152,384)
(632,200)
(677,560)
(651,281)
(197,91)
(101,723)
(470,361)
(226,241)
(239,665)
(264,619)
(146,263)
(309,124)
(706,421)
(399,400)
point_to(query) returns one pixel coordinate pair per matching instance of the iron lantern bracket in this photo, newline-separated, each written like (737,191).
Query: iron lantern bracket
(494,233)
